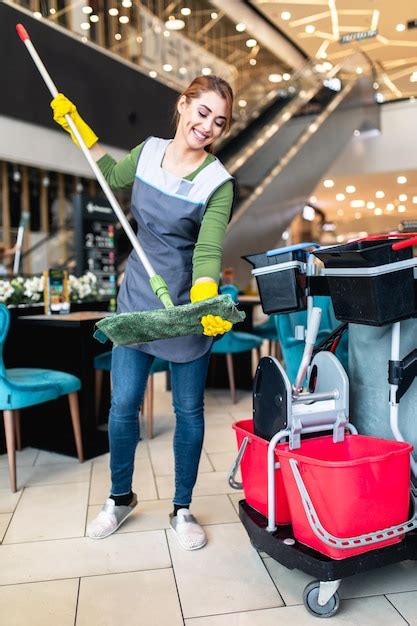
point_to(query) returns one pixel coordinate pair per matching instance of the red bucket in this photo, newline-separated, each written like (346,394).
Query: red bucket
(358,486)
(254,469)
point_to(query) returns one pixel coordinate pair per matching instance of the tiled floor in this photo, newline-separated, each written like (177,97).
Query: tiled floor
(52,575)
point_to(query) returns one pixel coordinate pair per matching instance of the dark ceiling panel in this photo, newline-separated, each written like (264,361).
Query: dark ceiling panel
(122,105)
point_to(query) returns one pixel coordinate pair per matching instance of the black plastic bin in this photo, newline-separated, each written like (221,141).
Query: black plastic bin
(281,289)
(372,296)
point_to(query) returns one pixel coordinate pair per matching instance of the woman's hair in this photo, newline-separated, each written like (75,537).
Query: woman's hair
(202,84)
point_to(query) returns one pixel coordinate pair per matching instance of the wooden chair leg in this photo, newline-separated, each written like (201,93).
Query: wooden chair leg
(9,429)
(231,374)
(75,418)
(148,404)
(97,390)
(17,430)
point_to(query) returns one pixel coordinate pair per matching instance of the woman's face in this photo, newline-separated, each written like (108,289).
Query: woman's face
(202,119)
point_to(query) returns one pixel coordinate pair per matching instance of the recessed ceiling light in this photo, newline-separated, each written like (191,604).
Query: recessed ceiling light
(275,78)
(359,70)
(378,211)
(401,180)
(87,10)
(414,199)
(351,188)
(252,61)
(123,19)
(153,74)
(379,194)
(356,132)
(380,97)
(402,208)
(183,70)
(52,11)
(375,85)
(85,26)
(286,76)
(214,15)
(310,28)
(340,212)
(370,205)
(413,77)
(94,18)
(357,204)
(285,15)
(403,197)
(167,33)
(240,27)
(340,197)
(118,36)
(327,66)
(328,183)
(314,199)
(251,43)
(113,12)
(242,103)
(126,4)
(400,27)
(185,11)
(37,15)
(167,67)
(84,39)
(358,215)
(390,206)
(174,23)
(206,71)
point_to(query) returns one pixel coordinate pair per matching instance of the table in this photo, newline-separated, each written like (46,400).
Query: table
(66,343)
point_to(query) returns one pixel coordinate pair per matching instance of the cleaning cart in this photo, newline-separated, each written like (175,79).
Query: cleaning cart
(319,497)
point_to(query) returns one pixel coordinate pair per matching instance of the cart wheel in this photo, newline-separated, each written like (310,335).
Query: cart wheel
(311,596)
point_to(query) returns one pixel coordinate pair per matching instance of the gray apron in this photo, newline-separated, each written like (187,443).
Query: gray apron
(168,211)
(369,353)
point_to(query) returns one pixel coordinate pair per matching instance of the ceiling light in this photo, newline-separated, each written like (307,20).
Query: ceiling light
(328,183)
(357,204)
(370,205)
(183,70)
(52,11)
(275,78)
(413,77)
(37,15)
(214,15)
(286,76)
(252,61)
(375,85)
(251,43)
(400,27)
(351,189)
(403,197)
(359,70)
(242,103)
(358,215)
(285,15)
(378,211)
(113,12)
(123,19)
(241,27)
(139,39)
(380,97)
(401,180)
(87,10)
(126,4)
(84,39)
(414,199)
(153,74)
(390,206)
(206,71)
(356,132)
(310,28)
(327,66)
(313,199)
(118,36)
(174,23)
(167,33)
(167,67)
(402,208)
(340,212)
(85,26)
(94,18)
(309,213)
(340,197)
(285,235)
(185,11)
(379,194)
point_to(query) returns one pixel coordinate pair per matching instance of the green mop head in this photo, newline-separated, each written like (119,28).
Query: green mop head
(178,321)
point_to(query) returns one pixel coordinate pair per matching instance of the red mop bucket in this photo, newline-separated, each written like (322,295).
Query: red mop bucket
(357,486)
(254,469)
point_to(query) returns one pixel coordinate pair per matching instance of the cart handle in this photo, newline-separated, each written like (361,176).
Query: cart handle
(294,248)
(348,542)
(410,239)
(233,471)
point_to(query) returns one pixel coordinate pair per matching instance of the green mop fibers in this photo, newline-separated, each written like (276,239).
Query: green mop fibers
(179,321)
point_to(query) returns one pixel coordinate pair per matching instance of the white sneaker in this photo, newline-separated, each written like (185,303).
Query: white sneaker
(190,534)
(109,519)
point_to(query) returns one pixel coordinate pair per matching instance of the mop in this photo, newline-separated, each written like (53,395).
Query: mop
(142,326)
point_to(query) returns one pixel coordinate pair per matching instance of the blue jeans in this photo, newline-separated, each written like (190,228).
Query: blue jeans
(130,370)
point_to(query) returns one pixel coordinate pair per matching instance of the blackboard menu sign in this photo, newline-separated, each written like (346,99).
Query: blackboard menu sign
(94,226)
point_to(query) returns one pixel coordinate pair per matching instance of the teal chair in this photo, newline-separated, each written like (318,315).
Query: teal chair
(268,330)
(102,362)
(24,387)
(292,348)
(235,342)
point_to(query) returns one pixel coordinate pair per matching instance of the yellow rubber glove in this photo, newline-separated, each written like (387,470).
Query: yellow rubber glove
(61,106)
(213,324)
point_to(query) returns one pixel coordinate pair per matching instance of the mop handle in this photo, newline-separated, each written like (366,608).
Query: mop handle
(23,34)
(19,241)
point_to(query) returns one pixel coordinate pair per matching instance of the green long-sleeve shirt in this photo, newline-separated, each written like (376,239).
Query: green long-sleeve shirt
(208,248)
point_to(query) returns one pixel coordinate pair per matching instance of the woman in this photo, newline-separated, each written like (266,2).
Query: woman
(181,200)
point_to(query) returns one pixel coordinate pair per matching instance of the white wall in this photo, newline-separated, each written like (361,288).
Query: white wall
(395,148)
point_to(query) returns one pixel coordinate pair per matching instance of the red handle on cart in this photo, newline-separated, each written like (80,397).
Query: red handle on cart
(410,239)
